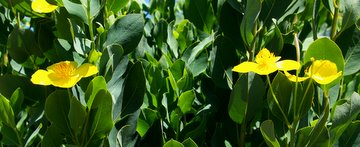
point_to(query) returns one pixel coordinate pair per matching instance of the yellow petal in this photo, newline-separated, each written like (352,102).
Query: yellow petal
(286,65)
(41,77)
(42,6)
(64,82)
(87,70)
(293,78)
(245,67)
(326,80)
(265,69)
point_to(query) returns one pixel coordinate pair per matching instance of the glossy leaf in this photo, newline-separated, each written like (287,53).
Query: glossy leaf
(185,101)
(252,12)
(351,135)
(100,118)
(323,139)
(244,98)
(344,112)
(282,88)
(17,47)
(268,132)
(16,100)
(115,5)
(351,60)
(93,88)
(134,90)
(189,143)
(126,31)
(173,143)
(200,12)
(57,108)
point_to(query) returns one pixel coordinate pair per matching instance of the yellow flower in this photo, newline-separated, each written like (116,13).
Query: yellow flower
(64,74)
(266,63)
(322,71)
(42,6)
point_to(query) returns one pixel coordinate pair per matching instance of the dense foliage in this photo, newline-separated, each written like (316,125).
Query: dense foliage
(180,73)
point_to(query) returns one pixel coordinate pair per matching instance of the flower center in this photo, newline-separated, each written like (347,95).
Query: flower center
(264,57)
(64,70)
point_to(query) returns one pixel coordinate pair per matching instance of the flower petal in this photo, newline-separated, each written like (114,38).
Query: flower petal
(286,65)
(41,77)
(265,69)
(64,82)
(86,70)
(326,80)
(293,77)
(42,6)
(245,67)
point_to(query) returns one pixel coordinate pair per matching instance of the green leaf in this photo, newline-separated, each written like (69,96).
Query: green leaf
(351,136)
(173,143)
(352,13)
(191,53)
(185,101)
(9,83)
(155,78)
(189,143)
(268,132)
(223,58)
(352,60)
(100,117)
(245,98)
(305,97)
(230,27)
(323,139)
(238,100)
(97,84)
(57,107)
(77,9)
(177,69)
(7,114)
(52,137)
(186,82)
(115,5)
(273,9)
(171,40)
(252,12)
(274,40)
(16,100)
(126,31)
(16,46)
(317,49)
(134,90)
(345,110)
(200,13)
(282,88)
(10,136)
(77,115)
(199,65)
(33,136)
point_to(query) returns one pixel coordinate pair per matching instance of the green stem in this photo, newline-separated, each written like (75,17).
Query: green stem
(335,20)
(305,93)
(277,102)
(297,46)
(91,30)
(314,23)
(242,134)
